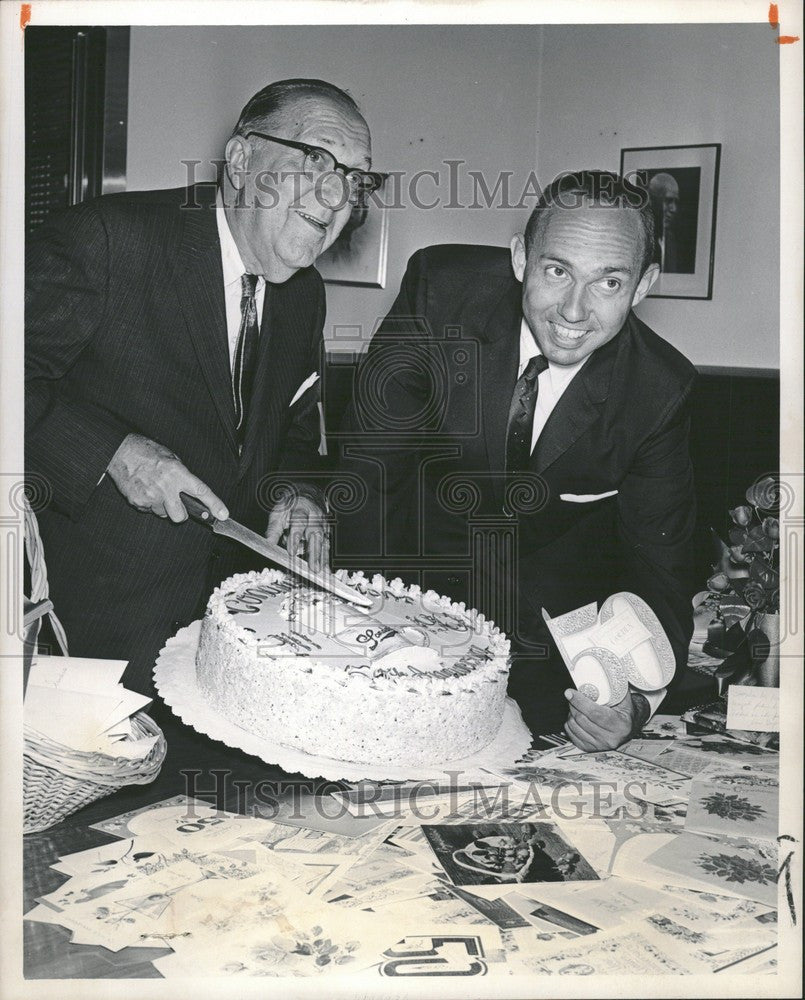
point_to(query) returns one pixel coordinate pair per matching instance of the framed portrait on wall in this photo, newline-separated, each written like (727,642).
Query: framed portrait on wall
(682,183)
(358,256)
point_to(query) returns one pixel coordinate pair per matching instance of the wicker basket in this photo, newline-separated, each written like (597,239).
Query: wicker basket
(58,780)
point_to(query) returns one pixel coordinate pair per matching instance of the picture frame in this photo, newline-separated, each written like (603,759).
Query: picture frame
(358,256)
(683,187)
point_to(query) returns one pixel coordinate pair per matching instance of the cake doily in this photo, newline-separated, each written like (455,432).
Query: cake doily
(175,680)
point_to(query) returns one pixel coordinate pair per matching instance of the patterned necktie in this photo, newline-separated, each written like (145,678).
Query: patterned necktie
(244,361)
(521,415)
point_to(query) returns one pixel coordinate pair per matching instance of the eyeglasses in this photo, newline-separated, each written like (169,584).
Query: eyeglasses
(318,161)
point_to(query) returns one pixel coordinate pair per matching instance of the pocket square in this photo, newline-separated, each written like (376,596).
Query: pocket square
(586,497)
(303,388)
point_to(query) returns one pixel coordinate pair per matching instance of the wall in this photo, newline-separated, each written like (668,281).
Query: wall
(501,98)
(662,86)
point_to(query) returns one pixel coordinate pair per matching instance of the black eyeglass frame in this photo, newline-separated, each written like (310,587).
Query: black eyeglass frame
(375,179)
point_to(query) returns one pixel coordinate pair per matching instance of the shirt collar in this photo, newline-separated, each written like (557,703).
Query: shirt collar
(559,374)
(231,260)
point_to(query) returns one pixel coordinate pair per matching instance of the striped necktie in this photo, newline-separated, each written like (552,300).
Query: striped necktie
(521,415)
(244,361)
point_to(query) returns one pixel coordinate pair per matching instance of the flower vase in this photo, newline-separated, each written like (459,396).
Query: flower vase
(765,649)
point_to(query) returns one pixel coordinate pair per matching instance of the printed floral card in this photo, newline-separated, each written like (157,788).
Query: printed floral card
(622,952)
(730,867)
(122,915)
(267,928)
(118,856)
(610,774)
(744,777)
(718,950)
(733,810)
(664,726)
(526,945)
(735,750)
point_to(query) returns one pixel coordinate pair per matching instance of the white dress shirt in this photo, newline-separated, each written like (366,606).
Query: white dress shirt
(552,383)
(233,272)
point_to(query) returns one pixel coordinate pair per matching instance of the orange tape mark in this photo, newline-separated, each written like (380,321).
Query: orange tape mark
(25,15)
(774,21)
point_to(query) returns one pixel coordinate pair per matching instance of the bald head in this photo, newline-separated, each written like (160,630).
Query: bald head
(278,104)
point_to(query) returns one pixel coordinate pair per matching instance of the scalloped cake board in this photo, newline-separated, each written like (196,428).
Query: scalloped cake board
(175,680)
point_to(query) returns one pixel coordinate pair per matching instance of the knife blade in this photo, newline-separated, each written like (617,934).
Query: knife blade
(239,533)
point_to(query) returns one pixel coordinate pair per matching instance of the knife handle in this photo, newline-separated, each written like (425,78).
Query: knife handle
(195,508)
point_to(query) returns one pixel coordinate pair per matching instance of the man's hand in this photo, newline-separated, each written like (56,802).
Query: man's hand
(604,727)
(151,478)
(301,526)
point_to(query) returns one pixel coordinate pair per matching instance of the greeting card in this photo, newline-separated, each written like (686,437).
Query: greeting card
(608,650)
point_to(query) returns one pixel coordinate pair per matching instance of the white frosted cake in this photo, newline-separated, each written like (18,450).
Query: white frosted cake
(416,679)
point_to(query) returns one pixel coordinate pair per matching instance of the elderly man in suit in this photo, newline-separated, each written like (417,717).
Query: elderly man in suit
(523,439)
(173,345)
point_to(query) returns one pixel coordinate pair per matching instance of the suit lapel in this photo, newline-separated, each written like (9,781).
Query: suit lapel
(578,408)
(499,357)
(199,283)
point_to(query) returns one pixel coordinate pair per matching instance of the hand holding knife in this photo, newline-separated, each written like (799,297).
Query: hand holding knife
(232,529)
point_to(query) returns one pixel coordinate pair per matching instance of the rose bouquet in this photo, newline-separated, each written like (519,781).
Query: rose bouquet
(744,589)
(749,566)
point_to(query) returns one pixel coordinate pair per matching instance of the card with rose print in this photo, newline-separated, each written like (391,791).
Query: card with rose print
(266,928)
(731,867)
(716,949)
(621,952)
(129,913)
(733,811)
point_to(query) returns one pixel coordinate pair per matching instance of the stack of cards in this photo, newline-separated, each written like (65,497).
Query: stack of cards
(81,704)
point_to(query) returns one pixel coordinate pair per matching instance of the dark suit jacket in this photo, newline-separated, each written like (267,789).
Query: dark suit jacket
(126,332)
(426,434)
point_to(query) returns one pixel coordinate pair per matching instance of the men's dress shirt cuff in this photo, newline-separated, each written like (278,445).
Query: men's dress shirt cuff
(642,710)
(655,699)
(647,703)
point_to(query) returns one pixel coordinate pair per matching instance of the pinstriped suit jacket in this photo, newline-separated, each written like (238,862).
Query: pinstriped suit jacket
(126,332)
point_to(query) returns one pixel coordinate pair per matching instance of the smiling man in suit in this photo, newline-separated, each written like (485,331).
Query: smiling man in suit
(173,344)
(523,438)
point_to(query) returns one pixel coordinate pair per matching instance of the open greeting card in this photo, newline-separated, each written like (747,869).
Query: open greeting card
(607,650)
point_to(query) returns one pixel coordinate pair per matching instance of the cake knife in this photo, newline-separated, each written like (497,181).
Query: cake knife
(232,529)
